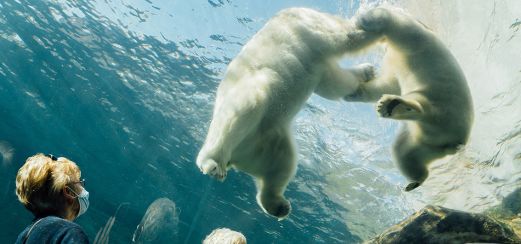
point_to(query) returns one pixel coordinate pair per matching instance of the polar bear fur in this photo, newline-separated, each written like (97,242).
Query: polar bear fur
(292,56)
(422,84)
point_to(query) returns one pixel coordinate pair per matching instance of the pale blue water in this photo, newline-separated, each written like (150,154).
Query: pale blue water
(125,89)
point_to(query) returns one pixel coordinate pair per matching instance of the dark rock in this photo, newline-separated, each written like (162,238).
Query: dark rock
(435,224)
(512,202)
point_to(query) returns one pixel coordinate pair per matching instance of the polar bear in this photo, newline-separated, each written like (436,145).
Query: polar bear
(295,54)
(422,84)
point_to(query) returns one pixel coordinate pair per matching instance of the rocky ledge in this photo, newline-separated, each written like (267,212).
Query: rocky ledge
(435,224)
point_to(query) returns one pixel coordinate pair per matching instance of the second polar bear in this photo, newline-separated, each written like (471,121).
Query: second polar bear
(422,84)
(295,54)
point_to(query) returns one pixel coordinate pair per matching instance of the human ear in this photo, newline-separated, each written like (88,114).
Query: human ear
(68,194)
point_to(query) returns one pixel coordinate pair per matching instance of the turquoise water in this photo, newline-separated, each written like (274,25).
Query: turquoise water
(124,105)
(125,89)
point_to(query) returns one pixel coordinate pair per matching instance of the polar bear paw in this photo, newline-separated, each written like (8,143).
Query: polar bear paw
(278,207)
(282,210)
(213,169)
(411,186)
(367,72)
(375,20)
(386,105)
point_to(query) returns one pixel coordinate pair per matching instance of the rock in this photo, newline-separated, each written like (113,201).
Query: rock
(509,211)
(159,224)
(435,224)
(512,202)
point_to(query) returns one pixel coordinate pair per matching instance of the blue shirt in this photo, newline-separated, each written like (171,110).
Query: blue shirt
(52,229)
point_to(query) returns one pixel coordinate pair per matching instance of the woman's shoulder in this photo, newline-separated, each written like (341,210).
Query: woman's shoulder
(66,230)
(53,220)
(55,230)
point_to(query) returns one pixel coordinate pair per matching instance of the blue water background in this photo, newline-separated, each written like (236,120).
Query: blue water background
(126,91)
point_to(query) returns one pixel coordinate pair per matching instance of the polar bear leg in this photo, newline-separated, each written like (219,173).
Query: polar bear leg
(337,82)
(359,40)
(412,158)
(372,90)
(226,131)
(273,181)
(237,115)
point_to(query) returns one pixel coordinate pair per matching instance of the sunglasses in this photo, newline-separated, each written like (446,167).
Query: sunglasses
(82,182)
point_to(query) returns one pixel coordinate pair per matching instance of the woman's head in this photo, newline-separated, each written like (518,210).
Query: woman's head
(46,185)
(225,236)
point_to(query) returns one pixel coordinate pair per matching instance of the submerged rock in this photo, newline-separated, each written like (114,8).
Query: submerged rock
(435,224)
(159,224)
(509,211)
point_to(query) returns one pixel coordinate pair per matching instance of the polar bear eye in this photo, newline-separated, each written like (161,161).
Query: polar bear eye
(408,109)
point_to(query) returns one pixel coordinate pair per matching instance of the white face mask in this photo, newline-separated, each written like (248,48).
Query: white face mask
(83,200)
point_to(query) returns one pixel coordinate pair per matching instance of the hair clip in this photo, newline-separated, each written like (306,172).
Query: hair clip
(51,157)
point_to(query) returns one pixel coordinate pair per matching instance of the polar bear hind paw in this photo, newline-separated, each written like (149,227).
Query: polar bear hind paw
(279,208)
(282,210)
(386,105)
(368,72)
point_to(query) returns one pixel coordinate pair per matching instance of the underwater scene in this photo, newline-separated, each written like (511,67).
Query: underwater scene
(127,90)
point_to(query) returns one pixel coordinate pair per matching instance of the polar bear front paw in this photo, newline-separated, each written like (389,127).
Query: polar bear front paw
(213,169)
(375,20)
(386,105)
(411,186)
(366,72)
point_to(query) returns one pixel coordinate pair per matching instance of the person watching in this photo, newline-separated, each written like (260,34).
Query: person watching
(51,189)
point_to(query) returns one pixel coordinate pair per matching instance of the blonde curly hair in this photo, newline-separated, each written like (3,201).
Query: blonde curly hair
(40,181)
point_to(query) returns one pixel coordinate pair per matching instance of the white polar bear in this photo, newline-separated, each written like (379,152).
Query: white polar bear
(421,83)
(292,56)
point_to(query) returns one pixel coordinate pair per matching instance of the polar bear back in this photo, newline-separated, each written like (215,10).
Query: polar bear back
(290,40)
(302,32)
(287,55)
